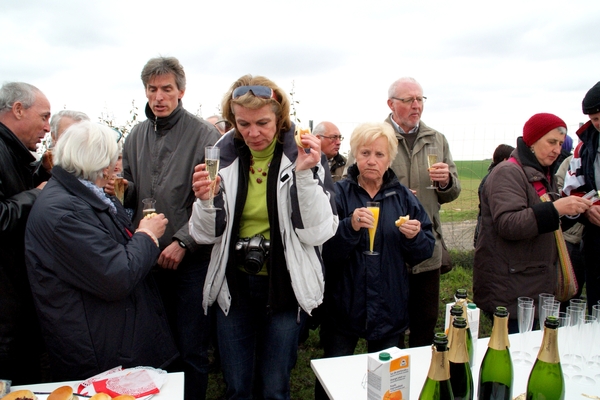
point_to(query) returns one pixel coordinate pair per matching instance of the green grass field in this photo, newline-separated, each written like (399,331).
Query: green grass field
(465,207)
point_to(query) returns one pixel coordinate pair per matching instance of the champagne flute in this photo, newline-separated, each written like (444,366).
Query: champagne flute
(149,206)
(211,159)
(119,187)
(526,313)
(373,206)
(432,158)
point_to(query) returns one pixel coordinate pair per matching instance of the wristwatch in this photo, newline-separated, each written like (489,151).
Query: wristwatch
(182,245)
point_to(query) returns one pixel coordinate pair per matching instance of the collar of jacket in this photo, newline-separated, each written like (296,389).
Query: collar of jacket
(527,159)
(389,177)
(76,188)
(23,155)
(338,161)
(165,123)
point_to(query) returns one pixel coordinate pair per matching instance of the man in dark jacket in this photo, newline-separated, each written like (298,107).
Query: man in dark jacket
(331,140)
(159,157)
(24,121)
(583,177)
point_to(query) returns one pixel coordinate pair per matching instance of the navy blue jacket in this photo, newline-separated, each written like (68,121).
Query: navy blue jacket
(98,306)
(368,295)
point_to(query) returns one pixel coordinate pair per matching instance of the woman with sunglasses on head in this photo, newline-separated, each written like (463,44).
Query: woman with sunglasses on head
(274,209)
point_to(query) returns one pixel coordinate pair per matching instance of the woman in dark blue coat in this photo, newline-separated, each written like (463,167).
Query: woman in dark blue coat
(366,296)
(88,267)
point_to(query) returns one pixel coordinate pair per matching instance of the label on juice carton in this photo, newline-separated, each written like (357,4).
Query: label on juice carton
(389,379)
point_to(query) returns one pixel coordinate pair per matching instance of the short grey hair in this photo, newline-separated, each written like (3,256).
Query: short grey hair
(17,92)
(76,116)
(162,66)
(392,89)
(85,149)
(319,129)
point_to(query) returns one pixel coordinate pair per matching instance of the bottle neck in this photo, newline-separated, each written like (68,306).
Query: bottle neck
(457,341)
(463,303)
(439,369)
(499,337)
(549,349)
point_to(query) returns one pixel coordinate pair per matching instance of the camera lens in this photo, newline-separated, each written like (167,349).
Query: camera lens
(254,261)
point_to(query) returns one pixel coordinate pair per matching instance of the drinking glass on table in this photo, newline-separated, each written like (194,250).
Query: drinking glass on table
(578,303)
(212,155)
(542,298)
(525,314)
(432,158)
(586,336)
(570,358)
(372,206)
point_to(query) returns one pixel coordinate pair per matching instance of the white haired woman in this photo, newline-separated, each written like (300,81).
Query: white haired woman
(88,267)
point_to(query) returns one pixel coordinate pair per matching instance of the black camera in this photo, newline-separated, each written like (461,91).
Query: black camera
(252,252)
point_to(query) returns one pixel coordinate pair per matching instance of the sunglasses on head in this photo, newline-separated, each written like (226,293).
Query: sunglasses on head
(262,92)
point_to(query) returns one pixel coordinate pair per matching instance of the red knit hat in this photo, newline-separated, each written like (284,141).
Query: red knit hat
(540,124)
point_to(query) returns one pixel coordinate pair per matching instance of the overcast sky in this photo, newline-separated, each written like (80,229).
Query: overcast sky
(485,67)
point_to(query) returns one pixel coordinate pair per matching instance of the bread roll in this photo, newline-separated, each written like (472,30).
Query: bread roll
(61,393)
(101,396)
(402,220)
(20,394)
(124,397)
(297,136)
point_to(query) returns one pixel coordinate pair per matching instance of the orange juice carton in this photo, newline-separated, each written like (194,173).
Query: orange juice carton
(388,376)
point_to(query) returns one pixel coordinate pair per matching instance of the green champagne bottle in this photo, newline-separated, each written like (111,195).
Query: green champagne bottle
(437,385)
(461,299)
(461,378)
(496,372)
(546,381)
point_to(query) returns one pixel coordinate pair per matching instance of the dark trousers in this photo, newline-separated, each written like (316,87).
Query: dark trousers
(423,308)
(337,344)
(591,244)
(181,291)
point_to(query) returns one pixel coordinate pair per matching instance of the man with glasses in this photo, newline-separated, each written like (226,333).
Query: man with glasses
(406,101)
(159,157)
(331,140)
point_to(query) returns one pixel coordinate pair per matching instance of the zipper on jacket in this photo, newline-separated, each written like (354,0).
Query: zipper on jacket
(298,317)
(155,123)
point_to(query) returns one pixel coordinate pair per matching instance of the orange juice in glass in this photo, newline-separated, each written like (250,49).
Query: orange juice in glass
(373,206)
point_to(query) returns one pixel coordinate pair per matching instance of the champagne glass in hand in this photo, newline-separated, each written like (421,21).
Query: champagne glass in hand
(373,206)
(432,158)
(211,159)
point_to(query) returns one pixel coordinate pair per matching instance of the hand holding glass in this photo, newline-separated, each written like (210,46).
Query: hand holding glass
(373,206)
(432,158)
(149,206)
(211,159)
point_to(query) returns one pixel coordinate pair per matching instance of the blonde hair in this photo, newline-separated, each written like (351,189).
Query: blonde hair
(280,106)
(367,133)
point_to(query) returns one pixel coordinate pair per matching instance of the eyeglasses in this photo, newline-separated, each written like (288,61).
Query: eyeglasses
(410,100)
(333,138)
(262,92)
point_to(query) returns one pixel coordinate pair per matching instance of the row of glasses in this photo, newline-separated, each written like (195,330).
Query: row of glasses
(587,330)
